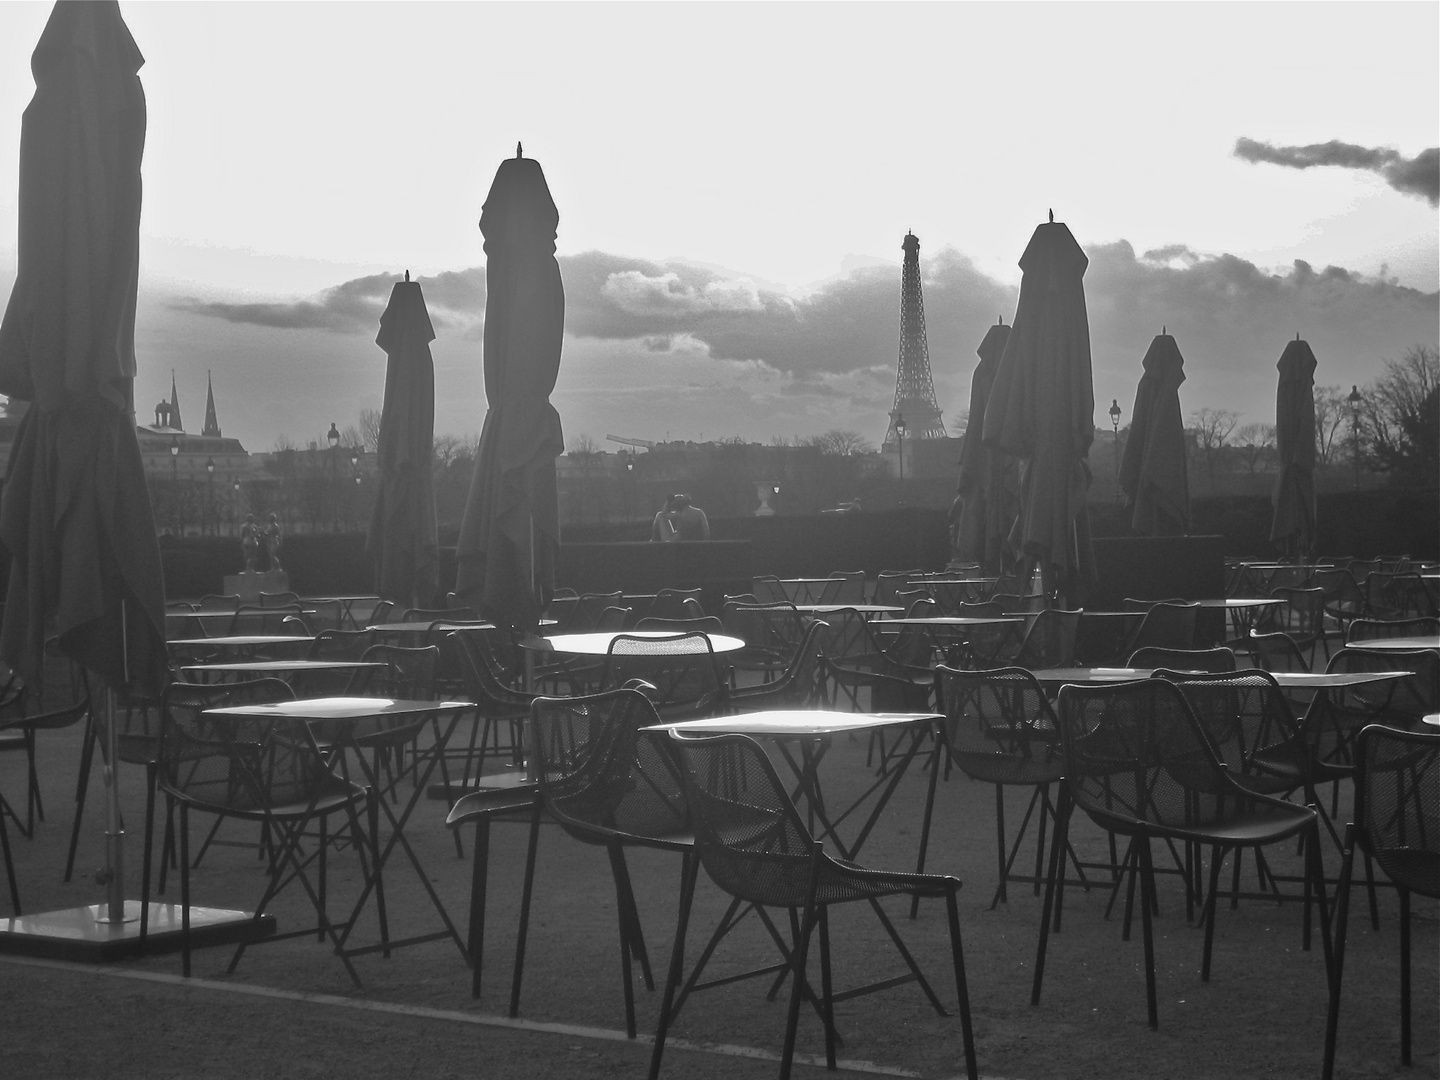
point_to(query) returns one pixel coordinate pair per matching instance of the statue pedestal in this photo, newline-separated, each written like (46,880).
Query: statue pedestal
(249,584)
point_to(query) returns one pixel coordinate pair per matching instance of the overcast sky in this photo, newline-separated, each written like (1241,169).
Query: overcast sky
(734,182)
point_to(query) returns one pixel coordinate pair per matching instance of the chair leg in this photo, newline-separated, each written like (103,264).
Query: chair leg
(1057,846)
(9,862)
(689,867)
(625,914)
(1147,896)
(1342,917)
(145,864)
(185,890)
(1217,859)
(82,783)
(1000,846)
(798,983)
(962,989)
(479,878)
(827,1006)
(525,895)
(1404,973)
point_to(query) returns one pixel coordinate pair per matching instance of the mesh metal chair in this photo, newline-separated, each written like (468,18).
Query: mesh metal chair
(1344,600)
(755,846)
(704,624)
(1275,652)
(889,582)
(1397,824)
(1000,729)
(683,678)
(607,783)
(771,633)
(1371,629)
(22,729)
(671,604)
(1140,764)
(798,686)
(1167,625)
(1049,640)
(1396,595)
(844,587)
(768,590)
(263,770)
(279,599)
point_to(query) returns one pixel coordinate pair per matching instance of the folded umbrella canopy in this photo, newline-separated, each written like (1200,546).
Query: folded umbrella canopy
(75,519)
(401,541)
(1292,528)
(1153,471)
(988,479)
(510,533)
(1042,410)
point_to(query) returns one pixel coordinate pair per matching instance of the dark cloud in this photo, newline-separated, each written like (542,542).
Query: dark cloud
(1419,175)
(455,300)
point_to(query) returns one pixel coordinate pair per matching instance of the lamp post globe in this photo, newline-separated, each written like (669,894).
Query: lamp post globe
(175,480)
(333,437)
(900,443)
(209,495)
(1354,398)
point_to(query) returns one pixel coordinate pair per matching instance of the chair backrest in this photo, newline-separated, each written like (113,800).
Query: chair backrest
(588,609)
(1049,640)
(889,582)
(798,686)
(671,604)
(707,624)
(748,836)
(470,654)
(326,614)
(844,587)
(1341,592)
(235,763)
(382,612)
(599,775)
(1010,603)
(408,672)
(1396,595)
(219,602)
(995,718)
(1370,629)
(739,598)
(1168,625)
(768,590)
(1289,577)
(562,610)
(847,637)
(1275,652)
(1302,615)
(1246,717)
(1136,751)
(1218,659)
(685,677)
(1397,804)
(254,619)
(279,599)
(340,644)
(612,618)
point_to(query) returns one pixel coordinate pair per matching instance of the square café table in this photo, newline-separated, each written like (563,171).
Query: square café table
(812,730)
(342,714)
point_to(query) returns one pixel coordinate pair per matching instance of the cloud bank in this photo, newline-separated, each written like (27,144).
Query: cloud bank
(1419,176)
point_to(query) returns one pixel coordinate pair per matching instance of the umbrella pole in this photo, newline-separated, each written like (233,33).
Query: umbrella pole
(114,830)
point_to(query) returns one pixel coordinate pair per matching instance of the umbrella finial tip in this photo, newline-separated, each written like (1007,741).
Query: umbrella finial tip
(519,150)
(1162,330)
(407,275)
(1052,217)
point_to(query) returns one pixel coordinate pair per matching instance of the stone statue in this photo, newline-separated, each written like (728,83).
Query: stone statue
(250,542)
(273,540)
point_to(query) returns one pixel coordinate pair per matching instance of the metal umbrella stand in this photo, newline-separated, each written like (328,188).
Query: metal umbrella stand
(75,519)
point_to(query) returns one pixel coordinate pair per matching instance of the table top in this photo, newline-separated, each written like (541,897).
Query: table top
(1432,718)
(241,667)
(225,640)
(1232,602)
(1286,680)
(597,643)
(956,581)
(863,609)
(341,708)
(1388,644)
(793,722)
(806,580)
(954,620)
(420,626)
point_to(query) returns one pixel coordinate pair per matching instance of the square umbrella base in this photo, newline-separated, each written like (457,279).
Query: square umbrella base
(77,934)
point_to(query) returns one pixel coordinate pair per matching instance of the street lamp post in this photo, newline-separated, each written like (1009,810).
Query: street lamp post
(210,495)
(234,506)
(1115,425)
(355,454)
(333,435)
(900,443)
(1354,399)
(175,481)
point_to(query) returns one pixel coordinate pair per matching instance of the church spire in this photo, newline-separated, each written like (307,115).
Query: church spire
(212,425)
(175,404)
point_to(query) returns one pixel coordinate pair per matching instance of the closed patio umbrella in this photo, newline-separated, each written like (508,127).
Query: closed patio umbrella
(1042,410)
(510,533)
(401,542)
(989,479)
(1153,473)
(1292,528)
(75,520)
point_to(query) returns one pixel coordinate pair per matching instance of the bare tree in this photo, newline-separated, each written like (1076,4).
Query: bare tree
(842,443)
(1332,411)
(585,447)
(370,430)
(1211,429)
(1254,442)
(1400,422)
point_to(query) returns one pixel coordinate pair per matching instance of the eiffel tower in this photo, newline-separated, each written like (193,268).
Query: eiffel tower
(914,386)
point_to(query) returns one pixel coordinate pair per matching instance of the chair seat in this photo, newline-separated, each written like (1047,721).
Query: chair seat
(1420,870)
(1008,769)
(292,811)
(1244,830)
